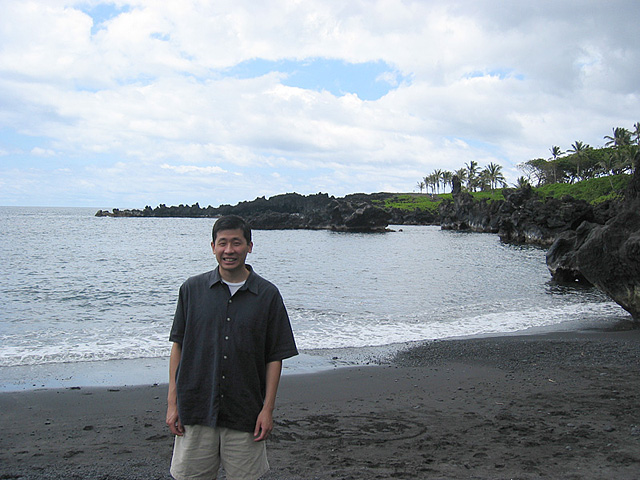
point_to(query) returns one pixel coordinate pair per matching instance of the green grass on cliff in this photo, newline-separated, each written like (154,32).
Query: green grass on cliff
(412,201)
(429,202)
(593,191)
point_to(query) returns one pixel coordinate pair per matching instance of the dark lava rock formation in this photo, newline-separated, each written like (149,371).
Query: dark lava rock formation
(522,217)
(282,212)
(605,254)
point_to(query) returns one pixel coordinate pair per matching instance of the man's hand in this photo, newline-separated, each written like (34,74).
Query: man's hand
(264,425)
(173,421)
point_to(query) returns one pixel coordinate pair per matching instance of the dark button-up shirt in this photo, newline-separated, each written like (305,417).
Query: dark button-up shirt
(226,344)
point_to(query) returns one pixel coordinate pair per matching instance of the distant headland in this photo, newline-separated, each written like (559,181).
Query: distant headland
(352,213)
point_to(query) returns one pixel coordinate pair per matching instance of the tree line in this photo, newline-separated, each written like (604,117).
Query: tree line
(583,162)
(579,162)
(471,177)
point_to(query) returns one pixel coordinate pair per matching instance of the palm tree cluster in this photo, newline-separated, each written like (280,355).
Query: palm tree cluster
(471,177)
(582,162)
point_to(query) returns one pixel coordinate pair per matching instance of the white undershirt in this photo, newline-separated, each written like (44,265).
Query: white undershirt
(234,287)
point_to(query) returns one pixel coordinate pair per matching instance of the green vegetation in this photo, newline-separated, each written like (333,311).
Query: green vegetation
(579,163)
(473,179)
(412,201)
(594,191)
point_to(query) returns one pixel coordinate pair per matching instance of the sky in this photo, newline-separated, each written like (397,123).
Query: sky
(126,104)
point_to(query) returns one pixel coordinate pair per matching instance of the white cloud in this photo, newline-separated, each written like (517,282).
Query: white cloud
(42,152)
(188,169)
(145,95)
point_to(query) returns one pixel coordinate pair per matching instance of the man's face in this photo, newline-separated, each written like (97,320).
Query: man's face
(230,249)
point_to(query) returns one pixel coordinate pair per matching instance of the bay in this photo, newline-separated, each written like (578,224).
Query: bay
(78,291)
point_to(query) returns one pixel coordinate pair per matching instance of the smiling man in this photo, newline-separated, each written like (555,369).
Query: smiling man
(230,334)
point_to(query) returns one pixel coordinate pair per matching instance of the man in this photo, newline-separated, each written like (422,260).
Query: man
(230,334)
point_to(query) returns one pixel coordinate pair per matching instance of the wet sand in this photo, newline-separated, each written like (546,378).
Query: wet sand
(562,405)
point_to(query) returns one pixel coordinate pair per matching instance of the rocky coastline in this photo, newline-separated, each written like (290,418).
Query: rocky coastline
(522,217)
(352,213)
(594,245)
(590,244)
(605,254)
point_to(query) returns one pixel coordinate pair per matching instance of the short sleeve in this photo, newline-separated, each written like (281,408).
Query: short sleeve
(280,341)
(177,329)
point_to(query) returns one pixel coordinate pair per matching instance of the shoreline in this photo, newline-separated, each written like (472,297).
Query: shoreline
(553,405)
(115,373)
(154,371)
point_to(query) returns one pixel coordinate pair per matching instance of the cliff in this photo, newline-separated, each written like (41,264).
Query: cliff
(522,217)
(605,254)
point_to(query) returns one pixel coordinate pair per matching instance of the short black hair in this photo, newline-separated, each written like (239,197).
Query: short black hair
(232,222)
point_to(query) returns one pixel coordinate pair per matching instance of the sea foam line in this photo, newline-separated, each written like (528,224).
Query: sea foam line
(316,332)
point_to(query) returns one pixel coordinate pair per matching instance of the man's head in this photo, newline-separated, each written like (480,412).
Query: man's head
(232,222)
(231,244)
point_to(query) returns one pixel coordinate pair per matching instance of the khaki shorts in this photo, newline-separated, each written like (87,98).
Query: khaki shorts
(198,454)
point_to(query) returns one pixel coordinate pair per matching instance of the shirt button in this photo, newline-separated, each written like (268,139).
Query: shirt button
(228,319)
(224,356)
(230,301)
(226,338)
(224,377)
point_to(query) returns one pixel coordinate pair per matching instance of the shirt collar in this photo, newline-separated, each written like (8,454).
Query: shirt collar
(251,284)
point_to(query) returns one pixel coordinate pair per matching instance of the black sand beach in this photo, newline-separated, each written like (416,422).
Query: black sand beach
(562,405)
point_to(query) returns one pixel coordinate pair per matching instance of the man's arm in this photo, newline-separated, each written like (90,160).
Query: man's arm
(264,424)
(173,420)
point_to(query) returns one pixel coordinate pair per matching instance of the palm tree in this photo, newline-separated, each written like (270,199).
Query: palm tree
(494,175)
(608,164)
(522,182)
(437,178)
(621,137)
(447,177)
(462,174)
(578,149)
(636,133)
(421,186)
(483,181)
(555,153)
(428,181)
(472,171)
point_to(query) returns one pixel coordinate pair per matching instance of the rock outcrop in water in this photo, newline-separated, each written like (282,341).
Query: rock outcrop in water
(281,212)
(606,255)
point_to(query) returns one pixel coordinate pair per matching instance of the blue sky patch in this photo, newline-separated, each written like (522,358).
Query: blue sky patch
(102,12)
(11,140)
(369,80)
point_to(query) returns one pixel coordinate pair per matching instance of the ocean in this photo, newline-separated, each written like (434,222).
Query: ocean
(88,300)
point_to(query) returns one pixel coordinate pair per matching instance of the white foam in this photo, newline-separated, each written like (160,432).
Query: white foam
(340,332)
(99,344)
(313,330)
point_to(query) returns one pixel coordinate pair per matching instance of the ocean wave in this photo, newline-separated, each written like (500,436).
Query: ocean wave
(340,332)
(313,330)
